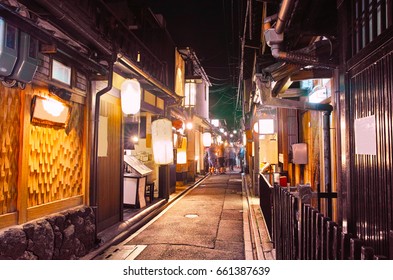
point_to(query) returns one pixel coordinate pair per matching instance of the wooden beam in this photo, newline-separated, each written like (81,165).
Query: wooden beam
(7,220)
(53,207)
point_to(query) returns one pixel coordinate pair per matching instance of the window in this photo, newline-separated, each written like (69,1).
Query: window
(370,19)
(61,72)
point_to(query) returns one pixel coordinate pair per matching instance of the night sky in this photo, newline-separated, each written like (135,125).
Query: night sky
(211,28)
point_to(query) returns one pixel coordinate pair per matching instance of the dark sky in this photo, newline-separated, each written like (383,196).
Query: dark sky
(210,27)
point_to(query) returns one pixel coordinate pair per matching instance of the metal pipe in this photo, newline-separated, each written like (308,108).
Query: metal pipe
(299,58)
(268,100)
(283,14)
(94,158)
(326,159)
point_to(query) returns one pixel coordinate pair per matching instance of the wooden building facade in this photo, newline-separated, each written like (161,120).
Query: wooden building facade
(54,180)
(349,144)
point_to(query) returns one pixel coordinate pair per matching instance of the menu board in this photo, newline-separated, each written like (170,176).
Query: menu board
(137,165)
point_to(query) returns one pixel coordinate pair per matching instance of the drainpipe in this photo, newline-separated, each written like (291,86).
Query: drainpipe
(94,155)
(326,159)
(283,15)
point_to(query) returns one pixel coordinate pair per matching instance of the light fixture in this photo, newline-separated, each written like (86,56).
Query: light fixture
(189,125)
(162,141)
(264,126)
(182,152)
(135,139)
(215,122)
(130,96)
(138,57)
(49,111)
(207,139)
(53,107)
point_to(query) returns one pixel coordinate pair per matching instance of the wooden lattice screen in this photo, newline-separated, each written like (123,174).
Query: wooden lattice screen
(10,105)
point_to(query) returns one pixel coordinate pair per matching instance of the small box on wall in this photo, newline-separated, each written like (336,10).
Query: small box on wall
(299,153)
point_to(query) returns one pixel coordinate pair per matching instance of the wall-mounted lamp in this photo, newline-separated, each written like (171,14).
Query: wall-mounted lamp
(130,96)
(49,111)
(162,141)
(207,139)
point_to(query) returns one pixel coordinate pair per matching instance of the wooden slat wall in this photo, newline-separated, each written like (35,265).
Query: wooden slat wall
(10,106)
(43,173)
(109,167)
(55,161)
(371,175)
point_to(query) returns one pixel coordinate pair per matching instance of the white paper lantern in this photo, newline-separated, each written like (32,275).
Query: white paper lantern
(130,96)
(207,139)
(162,141)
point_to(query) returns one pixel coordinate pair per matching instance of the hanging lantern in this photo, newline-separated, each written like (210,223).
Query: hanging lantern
(182,152)
(162,141)
(207,139)
(130,96)
(177,124)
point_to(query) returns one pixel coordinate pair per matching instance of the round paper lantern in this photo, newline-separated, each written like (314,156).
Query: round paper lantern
(130,96)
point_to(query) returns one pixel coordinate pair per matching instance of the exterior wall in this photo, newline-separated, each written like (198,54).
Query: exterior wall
(366,91)
(371,189)
(202,101)
(110,158)
(10,106)
(48,176)
(55,160)
(63,236)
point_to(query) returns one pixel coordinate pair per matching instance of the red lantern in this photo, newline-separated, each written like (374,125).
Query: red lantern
(177,124)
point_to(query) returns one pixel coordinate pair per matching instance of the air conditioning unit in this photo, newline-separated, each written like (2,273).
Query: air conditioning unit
(8,47)
(27,62)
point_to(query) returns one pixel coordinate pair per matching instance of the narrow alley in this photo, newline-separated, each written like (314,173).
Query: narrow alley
(210,222)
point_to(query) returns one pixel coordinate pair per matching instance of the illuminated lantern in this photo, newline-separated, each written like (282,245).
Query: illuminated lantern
(264,126)
(177,124)
(130,96)
(182,152)
(162,141)
(207,139)
(189,125)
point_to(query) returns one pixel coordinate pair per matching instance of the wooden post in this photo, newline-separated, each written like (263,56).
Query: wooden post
(355,248)
(24,151)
